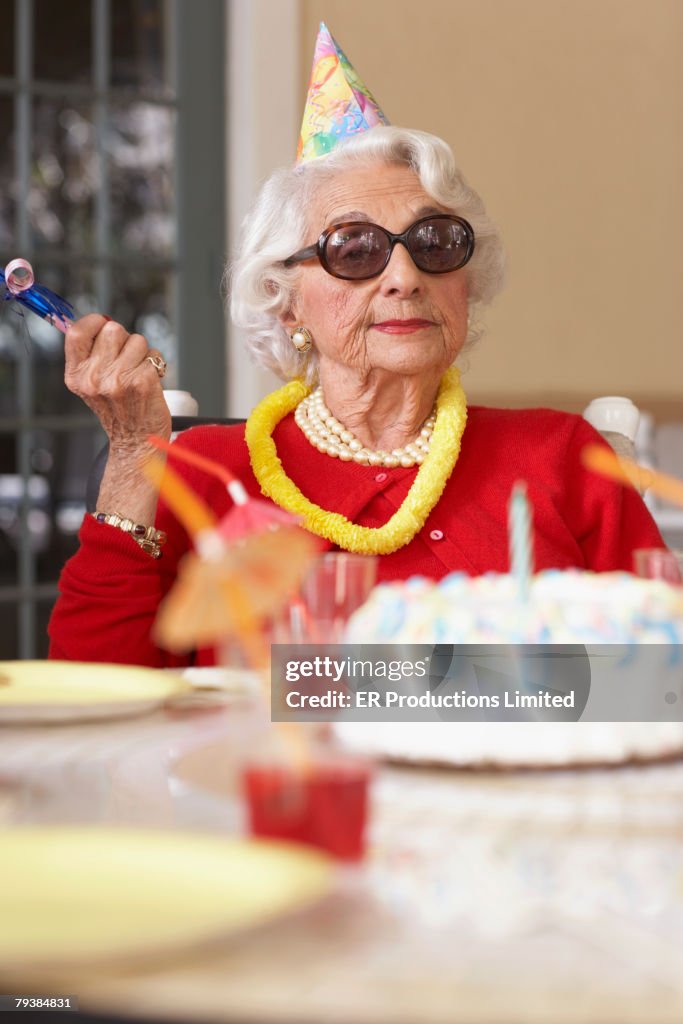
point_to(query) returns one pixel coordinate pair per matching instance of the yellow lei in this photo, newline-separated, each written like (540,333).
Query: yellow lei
(427,488)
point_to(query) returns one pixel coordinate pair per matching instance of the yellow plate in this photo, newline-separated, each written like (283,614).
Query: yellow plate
(55,691)
(70,895)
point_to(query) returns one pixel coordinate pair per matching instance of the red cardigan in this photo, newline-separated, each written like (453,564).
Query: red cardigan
(110,589)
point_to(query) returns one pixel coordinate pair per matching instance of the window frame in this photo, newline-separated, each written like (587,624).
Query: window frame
(198,59)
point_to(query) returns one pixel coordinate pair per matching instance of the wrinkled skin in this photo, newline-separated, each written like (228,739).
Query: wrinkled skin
(379,384)
(108,368)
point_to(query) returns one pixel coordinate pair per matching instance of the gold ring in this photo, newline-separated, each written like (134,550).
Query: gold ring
(158,363)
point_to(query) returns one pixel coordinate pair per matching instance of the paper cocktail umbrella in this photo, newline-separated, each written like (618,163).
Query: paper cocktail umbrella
(226,588)
(234,592)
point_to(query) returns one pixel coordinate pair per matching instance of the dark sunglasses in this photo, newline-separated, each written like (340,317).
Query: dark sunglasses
(358,250)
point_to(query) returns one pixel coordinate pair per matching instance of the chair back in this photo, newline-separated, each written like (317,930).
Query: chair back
(616,418)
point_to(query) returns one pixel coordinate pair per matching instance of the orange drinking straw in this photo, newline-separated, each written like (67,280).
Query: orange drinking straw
(247,515)
(193,459)
(197,518)
(183,502)
(626,471)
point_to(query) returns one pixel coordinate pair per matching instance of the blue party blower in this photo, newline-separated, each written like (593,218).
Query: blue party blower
(19,281)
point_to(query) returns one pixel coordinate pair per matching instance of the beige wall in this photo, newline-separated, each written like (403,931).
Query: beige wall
(264,113)
(568,118)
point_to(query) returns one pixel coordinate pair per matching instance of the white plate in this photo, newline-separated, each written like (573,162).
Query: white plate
(70,691)
(213,685)
(73,896)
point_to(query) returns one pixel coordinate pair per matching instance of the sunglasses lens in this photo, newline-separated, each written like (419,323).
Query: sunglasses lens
(440,244)
(356,251)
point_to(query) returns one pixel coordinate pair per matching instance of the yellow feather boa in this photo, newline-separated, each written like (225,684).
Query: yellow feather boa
(427,488)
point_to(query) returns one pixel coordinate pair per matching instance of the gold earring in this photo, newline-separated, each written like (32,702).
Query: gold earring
(301,339)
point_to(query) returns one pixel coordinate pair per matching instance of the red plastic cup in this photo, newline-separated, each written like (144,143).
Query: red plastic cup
(325,806)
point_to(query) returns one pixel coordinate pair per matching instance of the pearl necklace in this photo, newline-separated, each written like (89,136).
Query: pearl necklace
(424,493)
(331,437)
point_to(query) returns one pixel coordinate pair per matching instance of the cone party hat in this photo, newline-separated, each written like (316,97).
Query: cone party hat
(338,106)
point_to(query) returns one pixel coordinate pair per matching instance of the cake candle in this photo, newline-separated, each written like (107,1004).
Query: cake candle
(519,534)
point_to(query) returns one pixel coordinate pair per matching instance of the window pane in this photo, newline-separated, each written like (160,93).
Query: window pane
(42,642)
(63,176)
(144,300)
(7,38)
(61,462)
(7,182)
(141,140)
(68,458)
(9,628)
(12,336)
(11,490)
(140,43)
(63,41)
(75,283)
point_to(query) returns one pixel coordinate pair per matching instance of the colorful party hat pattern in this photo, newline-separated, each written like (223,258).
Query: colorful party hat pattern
(338,104)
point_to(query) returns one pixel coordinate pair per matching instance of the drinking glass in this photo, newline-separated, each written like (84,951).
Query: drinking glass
(659,564)
(322,801)
(337,585)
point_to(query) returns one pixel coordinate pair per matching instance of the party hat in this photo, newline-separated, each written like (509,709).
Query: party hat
(338,104)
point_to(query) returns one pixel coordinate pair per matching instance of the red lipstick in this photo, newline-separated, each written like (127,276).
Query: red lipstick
(402,326)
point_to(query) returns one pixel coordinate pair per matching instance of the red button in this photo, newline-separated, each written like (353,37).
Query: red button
(436,535)
(381,477)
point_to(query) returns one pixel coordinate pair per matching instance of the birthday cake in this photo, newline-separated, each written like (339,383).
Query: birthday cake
(560,607)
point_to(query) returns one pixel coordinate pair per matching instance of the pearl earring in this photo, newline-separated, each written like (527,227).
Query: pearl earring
(301,339)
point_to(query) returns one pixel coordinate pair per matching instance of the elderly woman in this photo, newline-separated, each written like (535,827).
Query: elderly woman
(359,279)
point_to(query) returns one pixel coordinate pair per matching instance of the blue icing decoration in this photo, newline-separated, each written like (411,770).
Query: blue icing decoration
(392,617)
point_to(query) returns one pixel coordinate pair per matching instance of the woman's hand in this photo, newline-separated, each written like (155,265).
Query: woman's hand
(109,369)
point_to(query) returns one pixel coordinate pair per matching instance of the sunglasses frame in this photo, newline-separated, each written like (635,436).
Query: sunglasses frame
(318,249)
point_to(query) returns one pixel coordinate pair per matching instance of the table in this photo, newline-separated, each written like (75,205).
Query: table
(494,898)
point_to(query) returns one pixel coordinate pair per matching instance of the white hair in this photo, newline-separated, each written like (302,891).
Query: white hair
(276,227)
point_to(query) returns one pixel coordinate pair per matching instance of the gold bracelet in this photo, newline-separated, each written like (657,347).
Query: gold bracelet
(147,537)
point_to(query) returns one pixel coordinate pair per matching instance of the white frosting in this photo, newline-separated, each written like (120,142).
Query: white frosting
(562,607)
(513,744)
